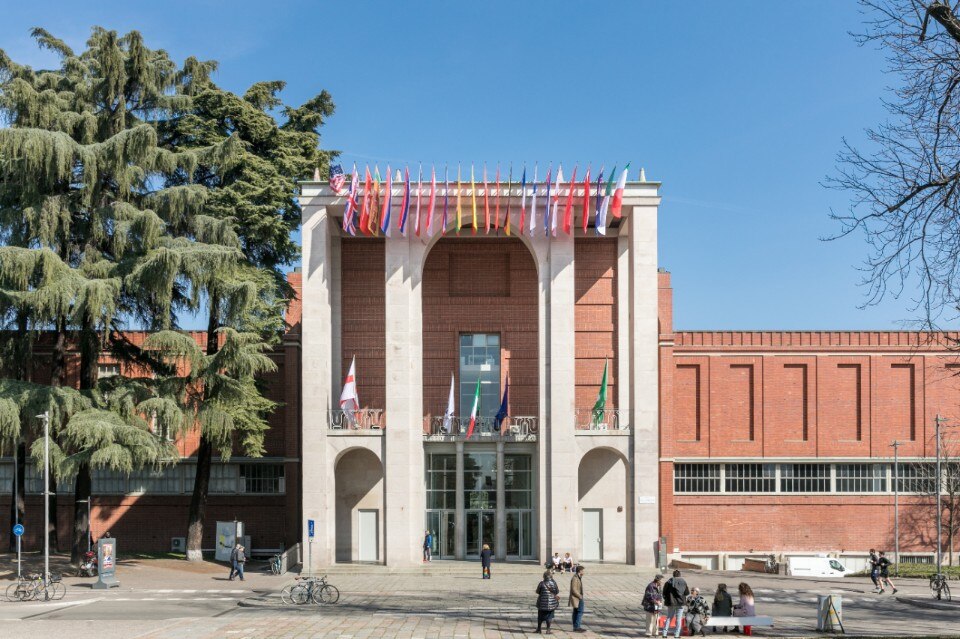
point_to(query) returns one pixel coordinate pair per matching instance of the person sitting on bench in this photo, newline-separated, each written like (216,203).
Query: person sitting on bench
(746,607)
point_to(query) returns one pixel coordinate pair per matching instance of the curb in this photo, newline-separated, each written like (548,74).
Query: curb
(930,604)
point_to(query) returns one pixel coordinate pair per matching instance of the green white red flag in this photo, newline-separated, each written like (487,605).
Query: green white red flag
(473,411)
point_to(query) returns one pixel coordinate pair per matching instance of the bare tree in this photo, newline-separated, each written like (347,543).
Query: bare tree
(905,182)
(918,528)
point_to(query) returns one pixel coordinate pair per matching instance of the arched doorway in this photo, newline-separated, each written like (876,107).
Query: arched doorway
(359,506)
(603,505)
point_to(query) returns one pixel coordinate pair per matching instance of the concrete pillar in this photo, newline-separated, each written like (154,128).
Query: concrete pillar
(318,487)
(644,338)
(460,543)
(623,332)
(405,499)
(500,539)
(562,458)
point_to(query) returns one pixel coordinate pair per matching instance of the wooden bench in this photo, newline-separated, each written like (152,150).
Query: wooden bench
(739,621)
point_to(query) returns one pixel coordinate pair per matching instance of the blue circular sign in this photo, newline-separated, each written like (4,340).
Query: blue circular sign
(18,530)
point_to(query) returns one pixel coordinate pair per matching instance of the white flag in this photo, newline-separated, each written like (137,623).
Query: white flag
(451,409)
(533,204)
(556,202)
(349,400)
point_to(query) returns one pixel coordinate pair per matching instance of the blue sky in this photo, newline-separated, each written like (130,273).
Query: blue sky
(738,107)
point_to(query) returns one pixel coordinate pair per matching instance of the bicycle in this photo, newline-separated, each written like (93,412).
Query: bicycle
(276,564)
(314,589)
(31,588)
(940,587)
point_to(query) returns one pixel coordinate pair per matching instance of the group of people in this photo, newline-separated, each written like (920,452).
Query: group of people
(561,564)
(677,604)
(548,600)
(880,572)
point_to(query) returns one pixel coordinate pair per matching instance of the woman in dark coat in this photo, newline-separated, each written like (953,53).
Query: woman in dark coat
(547,600)
(722,604)
(486,558)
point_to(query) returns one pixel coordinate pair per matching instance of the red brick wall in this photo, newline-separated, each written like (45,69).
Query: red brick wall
(504,301)
(595,264)
(363,313)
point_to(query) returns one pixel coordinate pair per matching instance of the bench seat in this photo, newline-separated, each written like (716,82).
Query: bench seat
(739,621)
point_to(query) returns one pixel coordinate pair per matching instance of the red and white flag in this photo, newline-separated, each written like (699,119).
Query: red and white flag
(618,194)
(349,400)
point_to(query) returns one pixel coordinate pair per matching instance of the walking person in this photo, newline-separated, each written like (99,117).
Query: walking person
(746,607)
(547,601)
(675,594)
(875,571)
(486,558)
(884,565)
(722,604)
(427,545)
(652,603)
(576,599)
(697,612)
(241,560)
(233,561)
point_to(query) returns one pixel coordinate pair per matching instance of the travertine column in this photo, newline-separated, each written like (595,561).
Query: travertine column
(317,489)
(644,338)
(561,457)
(500,539)
(403,467)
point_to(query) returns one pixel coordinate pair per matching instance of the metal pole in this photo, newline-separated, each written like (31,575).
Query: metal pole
(16,500)
(938,420)
(896,505)
(90,526)
(46,498)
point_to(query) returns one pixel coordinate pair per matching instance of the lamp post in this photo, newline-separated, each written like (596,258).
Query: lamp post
(16,501)
(939,420)
(45,417)
(896,504)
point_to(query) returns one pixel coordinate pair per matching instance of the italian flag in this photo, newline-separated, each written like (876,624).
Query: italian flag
(601,399)
(473,411)
(618,194)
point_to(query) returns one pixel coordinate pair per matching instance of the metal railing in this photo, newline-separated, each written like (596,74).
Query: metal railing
(359,419)
(606,419)
(512,426)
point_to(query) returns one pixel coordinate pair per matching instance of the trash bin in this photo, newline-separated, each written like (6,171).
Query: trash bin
(829,613)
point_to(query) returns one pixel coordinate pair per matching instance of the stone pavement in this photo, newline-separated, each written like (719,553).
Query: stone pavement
(161,600)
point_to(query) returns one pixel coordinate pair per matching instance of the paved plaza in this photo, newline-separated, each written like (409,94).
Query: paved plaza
(160,599)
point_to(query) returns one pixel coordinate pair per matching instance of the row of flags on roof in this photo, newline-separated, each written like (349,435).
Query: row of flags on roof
(427,208)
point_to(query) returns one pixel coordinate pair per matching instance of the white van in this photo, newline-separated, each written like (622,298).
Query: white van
(815,567)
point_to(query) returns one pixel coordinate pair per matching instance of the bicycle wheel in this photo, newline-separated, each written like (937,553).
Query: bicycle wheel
(15,592)
(57,590)
(326,594)
(275,567)
(285,593)
(946,590)
(300,594)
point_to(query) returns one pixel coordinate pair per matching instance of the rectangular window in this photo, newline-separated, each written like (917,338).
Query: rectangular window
(224,478)
(108,482)
(805,478)
(6,479)
(517,481)
(917,478)
(861,478)
(165,481)
(750,478)
(480,481)
(265,479)
(107,370)
(442,481)
(480,360)
(696,478)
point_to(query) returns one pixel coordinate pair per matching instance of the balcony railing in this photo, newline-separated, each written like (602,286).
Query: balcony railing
(520,426)
(359,419)
(607,419)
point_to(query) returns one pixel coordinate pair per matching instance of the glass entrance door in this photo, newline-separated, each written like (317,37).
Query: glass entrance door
(481,529)
(442,524)
(519,524)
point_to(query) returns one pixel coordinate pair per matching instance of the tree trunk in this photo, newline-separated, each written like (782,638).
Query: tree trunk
(201,485)
(17,504)
(81,522)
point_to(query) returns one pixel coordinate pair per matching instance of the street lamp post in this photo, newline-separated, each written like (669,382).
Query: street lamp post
(16,500)
(939,489)
(896,504)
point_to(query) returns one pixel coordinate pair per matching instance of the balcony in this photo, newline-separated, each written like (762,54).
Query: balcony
(606,421)
(518,428)
(366,421)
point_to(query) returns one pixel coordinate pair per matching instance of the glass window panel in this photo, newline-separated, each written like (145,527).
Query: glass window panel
(917,478)
(805,478)
(696,478)
(480,359)
(750,478)
(517,499)
(861,478)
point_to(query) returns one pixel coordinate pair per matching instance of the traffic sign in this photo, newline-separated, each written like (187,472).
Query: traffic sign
(18,530)
(310,528)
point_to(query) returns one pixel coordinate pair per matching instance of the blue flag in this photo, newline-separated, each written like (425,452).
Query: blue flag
(502,413)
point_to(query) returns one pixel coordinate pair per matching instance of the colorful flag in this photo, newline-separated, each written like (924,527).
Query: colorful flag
(601,402)
(555,213)
(523,199)
(350,211)
(586,199)
(375,206)
(446,197)
(349,400)
(451,409)
(496,212)
(546,203)
(596,204)
(605,205)
(459,209)
(405,204)
(365,206)
(388,196)
(568,209)
(473,200)
(433,199)
(618,194)
(419,190)
(533,204)
(486,200)
(337,179)
(502,413)
(506,221)
(474,410)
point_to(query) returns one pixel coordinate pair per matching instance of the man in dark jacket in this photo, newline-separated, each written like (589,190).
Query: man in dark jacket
(675,594)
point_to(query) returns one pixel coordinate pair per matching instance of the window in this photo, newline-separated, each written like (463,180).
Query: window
(836,565)
(262,478)
(917,478)
(162,481)
(861,478)
(107,370)
(6,479)
(442,481)
(108,482)
(805,478)
(480,360)
(480,481)
(223,478)
(917,559)
(750,478)
(696,478)
(517,481)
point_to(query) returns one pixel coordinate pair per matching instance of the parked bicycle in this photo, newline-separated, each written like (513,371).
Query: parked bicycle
(306,589)
(939,586)
(276,564)
(772,566)
(33,588)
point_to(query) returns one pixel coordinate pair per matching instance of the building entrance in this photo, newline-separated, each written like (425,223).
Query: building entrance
(481,529)
(443,525)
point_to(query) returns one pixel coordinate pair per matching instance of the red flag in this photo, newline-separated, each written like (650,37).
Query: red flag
(365,209)
(586,200)
(486,200)
(496,212)
(568,209)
